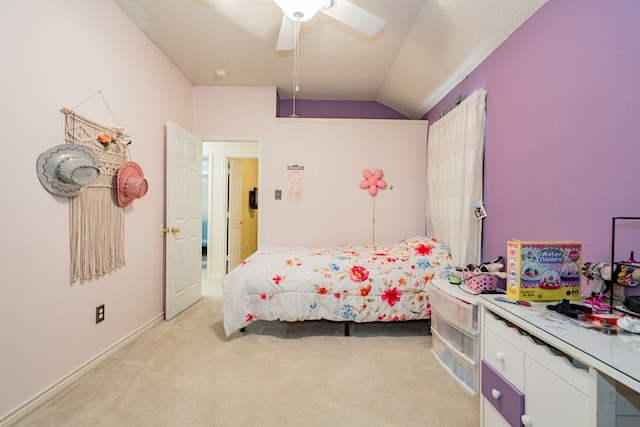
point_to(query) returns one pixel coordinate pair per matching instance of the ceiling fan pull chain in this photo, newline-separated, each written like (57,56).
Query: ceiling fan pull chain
(296,87)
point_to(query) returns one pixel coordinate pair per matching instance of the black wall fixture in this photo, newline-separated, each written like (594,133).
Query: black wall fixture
(253,198)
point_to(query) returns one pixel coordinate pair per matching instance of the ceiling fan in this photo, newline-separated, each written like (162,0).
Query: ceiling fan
(298,11)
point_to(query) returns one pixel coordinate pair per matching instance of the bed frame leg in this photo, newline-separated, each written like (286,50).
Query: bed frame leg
(346,329)
(428,326)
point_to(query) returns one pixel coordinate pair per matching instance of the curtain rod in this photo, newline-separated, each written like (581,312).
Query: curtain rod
(453,104)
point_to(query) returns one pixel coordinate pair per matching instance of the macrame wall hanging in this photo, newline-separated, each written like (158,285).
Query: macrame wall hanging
(96,222)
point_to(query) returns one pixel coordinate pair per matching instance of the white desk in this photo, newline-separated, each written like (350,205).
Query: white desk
(612,360)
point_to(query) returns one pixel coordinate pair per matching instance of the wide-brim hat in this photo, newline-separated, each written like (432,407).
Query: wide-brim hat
(65,170)
(131,184)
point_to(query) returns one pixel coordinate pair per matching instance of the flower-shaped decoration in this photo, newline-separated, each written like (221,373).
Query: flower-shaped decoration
(106,139)
(372,181)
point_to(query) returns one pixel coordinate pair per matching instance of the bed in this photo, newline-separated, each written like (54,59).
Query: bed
(377,283)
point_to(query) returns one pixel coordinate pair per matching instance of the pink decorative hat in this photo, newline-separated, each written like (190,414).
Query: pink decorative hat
(131,184)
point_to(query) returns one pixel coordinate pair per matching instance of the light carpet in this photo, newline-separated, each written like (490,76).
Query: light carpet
(185,372)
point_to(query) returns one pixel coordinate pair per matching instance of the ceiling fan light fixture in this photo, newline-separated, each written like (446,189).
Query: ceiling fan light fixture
(302,10)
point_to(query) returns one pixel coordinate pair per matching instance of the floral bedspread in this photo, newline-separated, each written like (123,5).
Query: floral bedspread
(378,283)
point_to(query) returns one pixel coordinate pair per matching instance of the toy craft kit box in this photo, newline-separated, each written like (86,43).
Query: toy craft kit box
(543,271)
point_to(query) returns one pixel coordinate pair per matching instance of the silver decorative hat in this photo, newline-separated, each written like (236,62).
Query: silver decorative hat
(64,170)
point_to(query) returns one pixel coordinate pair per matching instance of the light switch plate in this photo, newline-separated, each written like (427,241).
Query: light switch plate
(278,194)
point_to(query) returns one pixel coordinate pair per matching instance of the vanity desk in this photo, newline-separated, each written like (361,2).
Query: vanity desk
(541,368)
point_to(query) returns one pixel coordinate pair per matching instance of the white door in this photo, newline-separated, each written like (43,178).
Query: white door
(234,214)
(183,220)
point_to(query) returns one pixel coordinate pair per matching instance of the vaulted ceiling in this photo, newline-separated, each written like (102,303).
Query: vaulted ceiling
(424,49)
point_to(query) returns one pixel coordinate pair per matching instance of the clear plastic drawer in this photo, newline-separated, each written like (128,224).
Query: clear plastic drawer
(457,311)
(464,372)
(466,344)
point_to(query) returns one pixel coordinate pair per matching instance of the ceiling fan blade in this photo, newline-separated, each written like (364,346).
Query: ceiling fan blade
(287,37)
(356,17)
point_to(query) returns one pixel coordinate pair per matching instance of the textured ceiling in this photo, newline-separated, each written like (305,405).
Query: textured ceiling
(424,50)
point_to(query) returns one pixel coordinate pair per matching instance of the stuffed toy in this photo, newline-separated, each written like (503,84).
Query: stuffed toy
(599,273)
(494,267)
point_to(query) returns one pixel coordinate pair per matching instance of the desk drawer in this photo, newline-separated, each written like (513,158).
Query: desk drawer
(500,326)
(503,396)
(504,357)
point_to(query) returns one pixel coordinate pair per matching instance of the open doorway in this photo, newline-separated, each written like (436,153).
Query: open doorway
(218,154)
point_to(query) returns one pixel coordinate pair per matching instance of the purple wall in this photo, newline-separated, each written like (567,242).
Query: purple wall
(337,109)
(562,149)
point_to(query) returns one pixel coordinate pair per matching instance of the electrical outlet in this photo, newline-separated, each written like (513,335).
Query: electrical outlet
(99,313)
(278,194)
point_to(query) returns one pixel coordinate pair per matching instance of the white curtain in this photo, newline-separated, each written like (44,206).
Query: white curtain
(454,178)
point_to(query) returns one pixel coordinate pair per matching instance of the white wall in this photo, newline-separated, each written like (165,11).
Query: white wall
(334,153)
(334,210)
(57,54)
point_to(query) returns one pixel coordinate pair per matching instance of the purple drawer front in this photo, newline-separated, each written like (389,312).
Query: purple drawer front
(510,404)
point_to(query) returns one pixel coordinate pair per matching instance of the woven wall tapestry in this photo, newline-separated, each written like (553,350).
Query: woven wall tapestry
(96,222)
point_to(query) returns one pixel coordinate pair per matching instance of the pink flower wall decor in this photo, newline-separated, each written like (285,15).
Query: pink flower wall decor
(372,181)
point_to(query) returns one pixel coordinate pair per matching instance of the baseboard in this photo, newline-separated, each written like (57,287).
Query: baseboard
(51,391)
(215,277)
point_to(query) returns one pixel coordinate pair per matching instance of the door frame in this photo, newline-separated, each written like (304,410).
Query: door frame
(219,149)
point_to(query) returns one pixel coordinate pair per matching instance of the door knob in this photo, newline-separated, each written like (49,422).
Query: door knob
(175,230)
(526,421)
